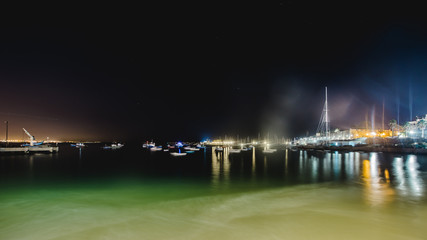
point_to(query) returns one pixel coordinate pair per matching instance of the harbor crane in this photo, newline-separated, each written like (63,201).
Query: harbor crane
(32,139)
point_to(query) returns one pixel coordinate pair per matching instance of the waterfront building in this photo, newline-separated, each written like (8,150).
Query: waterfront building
(416,129)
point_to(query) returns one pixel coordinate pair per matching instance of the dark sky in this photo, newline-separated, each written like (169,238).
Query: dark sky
(186,71)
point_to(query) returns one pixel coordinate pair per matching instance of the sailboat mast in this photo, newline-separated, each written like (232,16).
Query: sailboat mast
(327,127)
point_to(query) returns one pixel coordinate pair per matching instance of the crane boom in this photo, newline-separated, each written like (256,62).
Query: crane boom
(32,138)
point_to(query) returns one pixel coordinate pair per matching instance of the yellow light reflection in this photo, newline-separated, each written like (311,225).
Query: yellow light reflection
(377,192)
(387,176)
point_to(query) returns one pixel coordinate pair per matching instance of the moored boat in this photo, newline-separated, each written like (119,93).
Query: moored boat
(177,154)
(78,145)
(234,150)
(269,150)
(159,148)
(219,149)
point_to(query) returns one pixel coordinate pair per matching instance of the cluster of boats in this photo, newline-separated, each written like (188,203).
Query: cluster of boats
(244,149)
(111,146)
(177,149)
(181,149)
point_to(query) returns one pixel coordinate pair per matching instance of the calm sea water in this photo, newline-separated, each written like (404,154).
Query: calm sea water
(132,193)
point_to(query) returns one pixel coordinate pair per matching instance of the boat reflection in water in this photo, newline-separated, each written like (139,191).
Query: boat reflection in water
(220,168)
(382,177)
(408,180)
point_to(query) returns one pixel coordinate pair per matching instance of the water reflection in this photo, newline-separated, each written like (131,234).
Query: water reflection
(377,191)
(336,165)
(414,180)
(253,163)
(408,179)
(382,177)
(286,162)
(220,168)
(327,165)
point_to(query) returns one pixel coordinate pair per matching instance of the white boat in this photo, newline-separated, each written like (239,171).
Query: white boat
(269,150)
(219,149)
(114,146)
(192,149)
(234,150)
(176,154)
(165,150)
(148,145)
(156,149)
(78,145)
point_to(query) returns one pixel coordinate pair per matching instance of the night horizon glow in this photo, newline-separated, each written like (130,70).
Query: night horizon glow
(240,74)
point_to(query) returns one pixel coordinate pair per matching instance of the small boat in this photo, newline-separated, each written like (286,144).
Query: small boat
(165,150)
(159,148)
(189,151)
(176,154)
(78,145)
(148,145)
(219,149)
(234,150)
(269,150)
(116,145)
(113,146)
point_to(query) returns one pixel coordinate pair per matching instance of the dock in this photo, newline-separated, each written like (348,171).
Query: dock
(32,149)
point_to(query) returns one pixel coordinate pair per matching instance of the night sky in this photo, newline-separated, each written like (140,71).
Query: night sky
(187,71)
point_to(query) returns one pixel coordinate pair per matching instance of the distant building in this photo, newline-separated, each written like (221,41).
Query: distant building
(345,137)
(416,129)
(368,133)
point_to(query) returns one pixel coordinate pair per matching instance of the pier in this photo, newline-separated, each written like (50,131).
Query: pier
(29,149)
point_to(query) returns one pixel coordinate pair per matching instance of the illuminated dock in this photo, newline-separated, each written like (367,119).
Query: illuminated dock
(48,149)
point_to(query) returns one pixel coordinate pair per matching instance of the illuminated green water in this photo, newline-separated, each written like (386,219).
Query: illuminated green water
(285,195)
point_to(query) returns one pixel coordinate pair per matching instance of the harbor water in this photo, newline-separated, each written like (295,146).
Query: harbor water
(132,193)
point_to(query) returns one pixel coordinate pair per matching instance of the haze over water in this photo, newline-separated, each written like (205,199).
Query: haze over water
(132,193)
